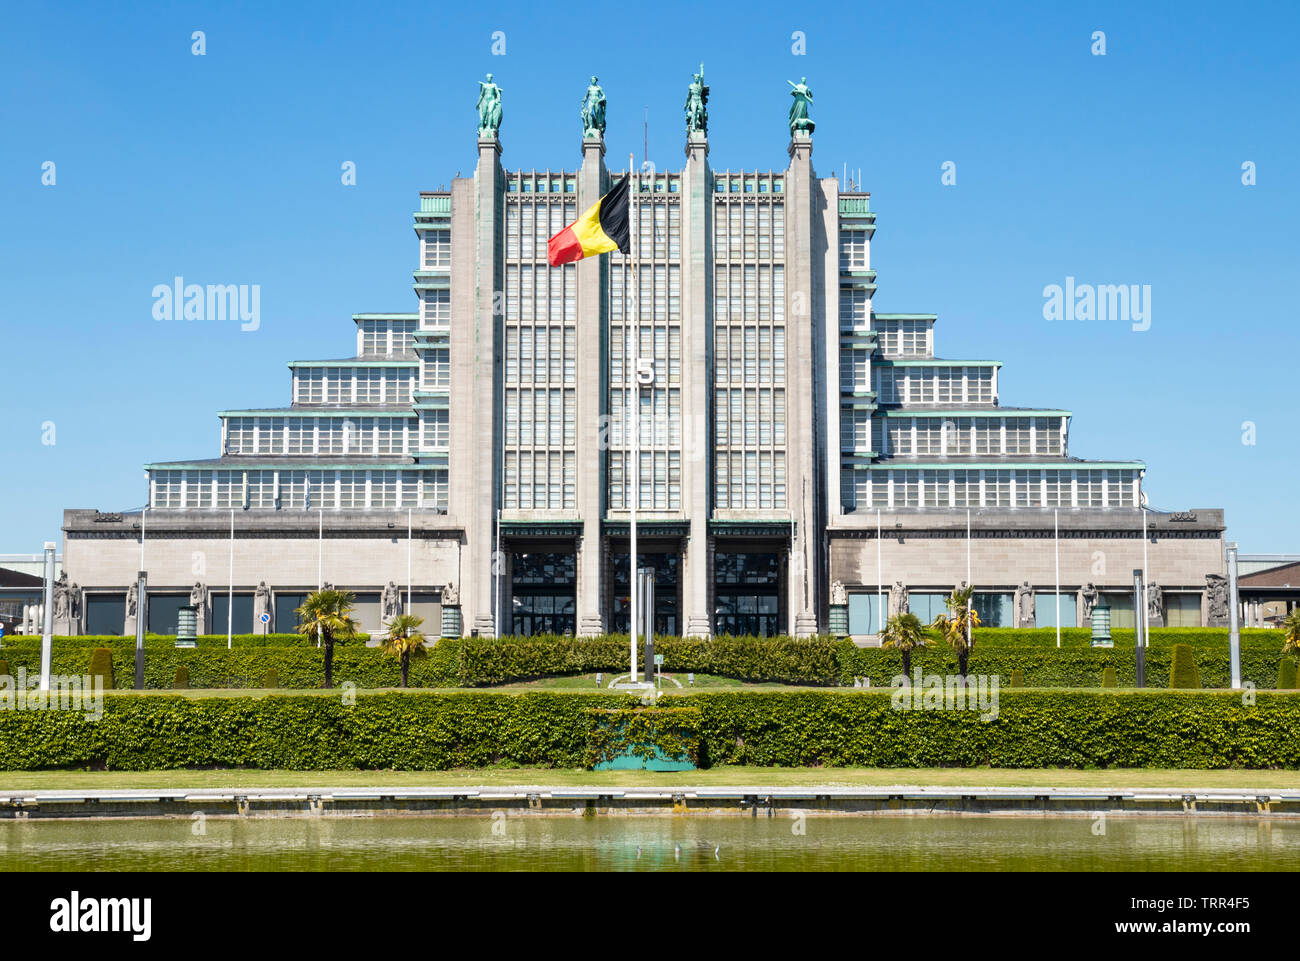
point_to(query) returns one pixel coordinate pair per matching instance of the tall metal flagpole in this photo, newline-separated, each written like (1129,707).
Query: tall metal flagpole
(635,303)
(1146,617)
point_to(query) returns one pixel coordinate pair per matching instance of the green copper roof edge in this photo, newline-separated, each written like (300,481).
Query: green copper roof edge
(885,316)
(936,362)
(385,316)
(273,464)
(354,362)
(316,412)
(975,412)
(1016,465)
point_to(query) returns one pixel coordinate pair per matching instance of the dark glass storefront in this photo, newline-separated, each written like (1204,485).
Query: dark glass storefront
(542,589)
(666,568)
(747,589)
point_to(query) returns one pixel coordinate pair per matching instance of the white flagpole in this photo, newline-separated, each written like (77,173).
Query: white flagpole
(635,303)
(1146,619)
(409,513)
(881,613)
(1057,539)
(230,589)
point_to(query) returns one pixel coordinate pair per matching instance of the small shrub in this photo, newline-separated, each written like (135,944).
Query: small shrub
(1108,677)
(1017,678)
(1183,673)
(101,665)
(1286,674)
(182,681)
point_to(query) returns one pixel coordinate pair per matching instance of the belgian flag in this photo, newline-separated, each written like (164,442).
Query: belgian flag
(604,227)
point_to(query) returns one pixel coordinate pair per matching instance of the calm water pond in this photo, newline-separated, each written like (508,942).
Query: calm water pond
(521,843)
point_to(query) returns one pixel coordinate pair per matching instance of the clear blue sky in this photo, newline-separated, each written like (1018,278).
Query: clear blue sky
(225,168)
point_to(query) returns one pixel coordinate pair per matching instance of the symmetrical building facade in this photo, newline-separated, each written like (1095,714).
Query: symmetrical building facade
(799,449)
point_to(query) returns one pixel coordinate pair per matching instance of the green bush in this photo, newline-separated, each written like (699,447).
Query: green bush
(271,679)
(1184,674)
(182,680)
(4,668)
(101,665)
(412,730)
(1017,678)
(1286,674)
(1108,677)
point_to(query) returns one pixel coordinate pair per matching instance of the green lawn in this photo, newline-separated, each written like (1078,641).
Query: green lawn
(714,777)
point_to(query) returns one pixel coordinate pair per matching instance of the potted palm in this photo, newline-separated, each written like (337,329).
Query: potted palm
(904,633)
(327,614)
(404,641)
(957,627)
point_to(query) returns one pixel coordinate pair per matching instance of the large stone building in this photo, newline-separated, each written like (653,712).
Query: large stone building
(796,443)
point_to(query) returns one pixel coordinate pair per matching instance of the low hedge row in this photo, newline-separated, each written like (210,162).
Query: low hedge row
(436,731)
(818,662)
(1160,636)
(987,636)
(159,640)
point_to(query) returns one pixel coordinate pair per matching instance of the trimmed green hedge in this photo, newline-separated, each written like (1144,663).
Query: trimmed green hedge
(161,640)
(435,731)
(672,733)
(817,662)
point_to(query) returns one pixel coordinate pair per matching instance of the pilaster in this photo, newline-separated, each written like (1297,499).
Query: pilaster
(697,378)
(593,326)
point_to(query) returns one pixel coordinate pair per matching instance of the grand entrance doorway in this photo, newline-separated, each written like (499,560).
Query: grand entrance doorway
(666,566)
(542,593)
(747,593)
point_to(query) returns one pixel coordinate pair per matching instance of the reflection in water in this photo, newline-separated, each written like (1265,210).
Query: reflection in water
(531,843)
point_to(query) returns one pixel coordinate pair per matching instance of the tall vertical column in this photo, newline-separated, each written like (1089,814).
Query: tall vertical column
(802,287)
(697,380)
(476,362)
(593,340)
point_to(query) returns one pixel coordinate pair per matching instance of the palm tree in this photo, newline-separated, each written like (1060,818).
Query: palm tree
(906,633)
(1291,633)
(405,641)
(958,626)
(328,614)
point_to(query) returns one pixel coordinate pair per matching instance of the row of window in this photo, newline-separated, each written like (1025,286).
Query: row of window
(748,293)
(298,489)
(435,308)
(435,368)
(661,480)
(541,417)
(748,231)
(918,385)
(903,338)
(750,480)
(855,250)
(385,338)
(749,417)
(435,251)
(353,385)
(960,436)
(863,489)
(537,294)
(541,355)
(657,295)
(749,355)
(659,420)
(540,480)
(659,350)
(308,436)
